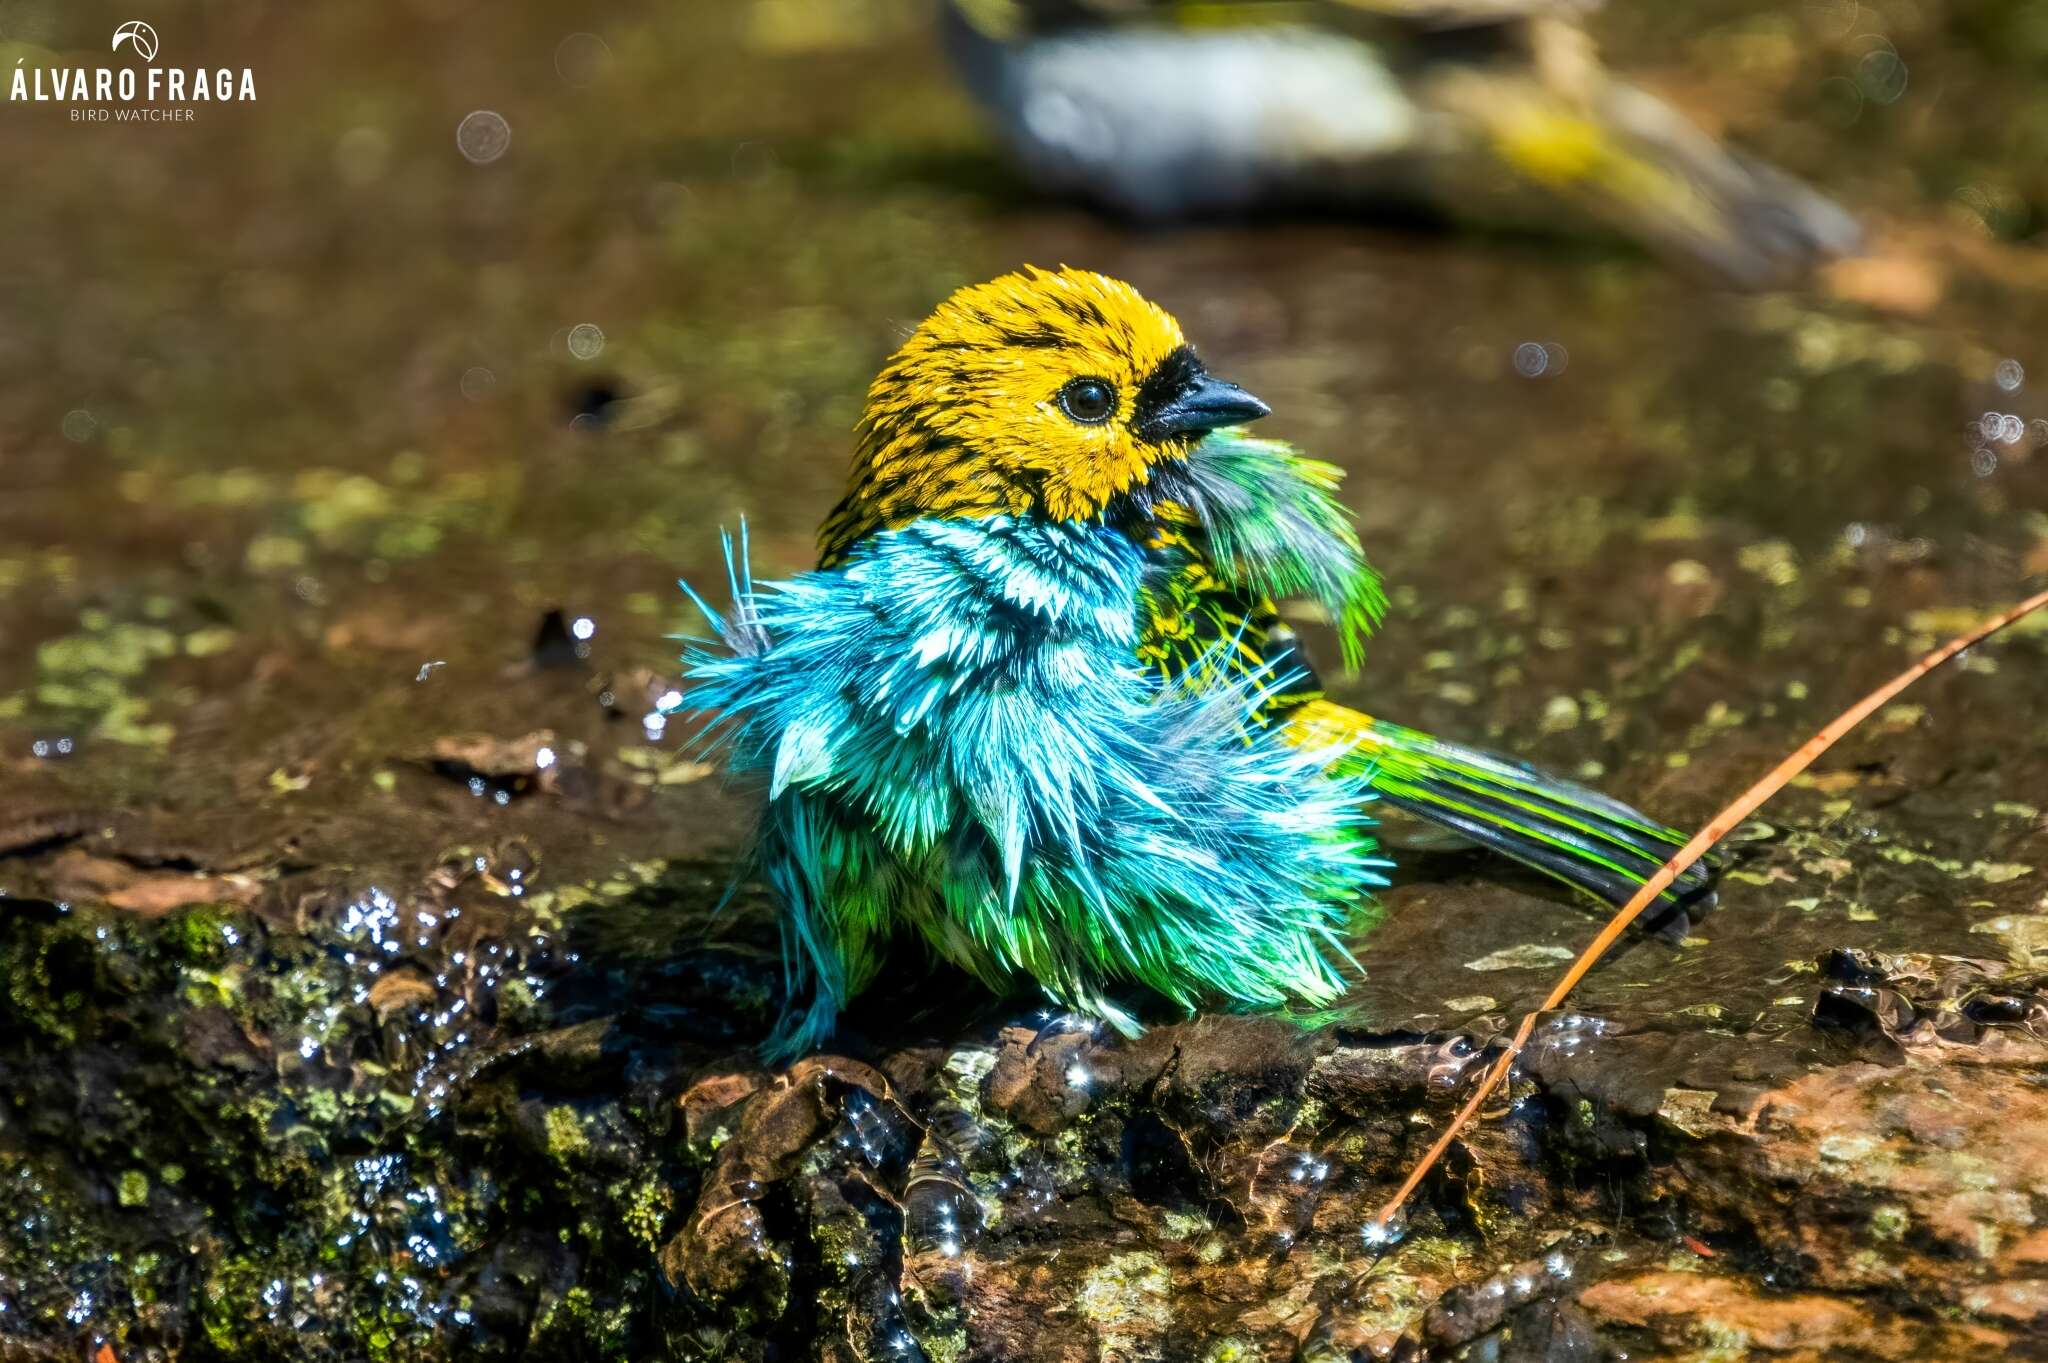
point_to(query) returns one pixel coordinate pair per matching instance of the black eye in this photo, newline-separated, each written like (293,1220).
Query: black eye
(1088,400)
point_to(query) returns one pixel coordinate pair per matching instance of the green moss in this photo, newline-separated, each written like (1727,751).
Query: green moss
(566,1137)
(1130,1291)
(231,1302)
(944,1345)
(1718,1334)
(115,650)
(197,934)
(32,992)
(646,1205)
(322,1106)
(577,1325)
(205,643)
(133,1189)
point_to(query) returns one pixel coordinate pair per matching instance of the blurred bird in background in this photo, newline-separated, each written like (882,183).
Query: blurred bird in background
(1037,706)
(1493,113)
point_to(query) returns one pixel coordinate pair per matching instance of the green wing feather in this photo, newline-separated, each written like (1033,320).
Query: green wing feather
(1244,524)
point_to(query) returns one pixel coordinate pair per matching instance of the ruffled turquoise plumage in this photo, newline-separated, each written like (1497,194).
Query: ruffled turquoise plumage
(956,741)
(1037,705)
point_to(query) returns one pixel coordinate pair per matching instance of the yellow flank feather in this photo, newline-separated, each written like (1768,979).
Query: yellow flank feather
(964,420)
(1322,724)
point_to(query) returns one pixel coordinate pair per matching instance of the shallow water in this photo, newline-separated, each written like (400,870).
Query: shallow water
(299,411)
(307,423)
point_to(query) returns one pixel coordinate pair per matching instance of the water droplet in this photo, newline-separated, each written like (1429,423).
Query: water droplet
(581,59)
(586,341)
(1835,18)
(1840,101)
(2009,375)
(1531,359)
(79,425)
(483,136)
(478,383)
(1881,75)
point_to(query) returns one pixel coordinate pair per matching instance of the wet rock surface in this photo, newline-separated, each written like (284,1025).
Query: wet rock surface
(369,985)
(291,1126)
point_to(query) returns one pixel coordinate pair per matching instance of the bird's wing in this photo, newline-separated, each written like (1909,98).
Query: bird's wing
(1244,524)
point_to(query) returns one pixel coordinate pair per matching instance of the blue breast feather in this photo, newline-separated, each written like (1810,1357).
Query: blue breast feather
(955,739)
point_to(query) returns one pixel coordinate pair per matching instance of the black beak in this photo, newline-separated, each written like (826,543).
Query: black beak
(1200,406)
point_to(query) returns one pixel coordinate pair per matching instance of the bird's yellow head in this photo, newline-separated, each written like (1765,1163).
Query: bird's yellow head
(1045,392)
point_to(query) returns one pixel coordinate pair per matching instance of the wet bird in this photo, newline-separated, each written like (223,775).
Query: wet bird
(1493,113)
(1037,707)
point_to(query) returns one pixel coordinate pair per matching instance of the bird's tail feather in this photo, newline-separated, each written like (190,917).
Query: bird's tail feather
(1580,836)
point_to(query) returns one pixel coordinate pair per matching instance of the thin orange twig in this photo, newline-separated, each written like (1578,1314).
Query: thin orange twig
(1717,828)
